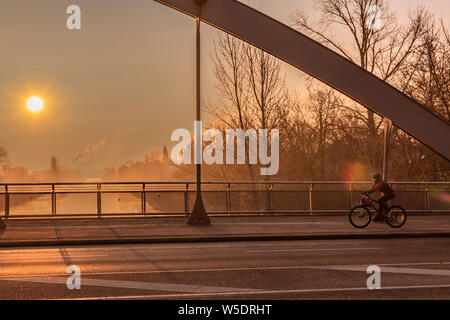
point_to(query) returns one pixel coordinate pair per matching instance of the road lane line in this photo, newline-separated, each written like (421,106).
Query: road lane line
(268,292)
(312,250)
(134,285)
(55,256)
(361,268)
(120,248)
(431,272)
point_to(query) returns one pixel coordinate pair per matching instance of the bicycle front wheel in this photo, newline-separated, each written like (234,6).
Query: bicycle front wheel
(396,216)
(360,217)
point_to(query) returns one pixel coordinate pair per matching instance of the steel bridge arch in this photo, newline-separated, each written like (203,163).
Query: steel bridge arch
(313,58)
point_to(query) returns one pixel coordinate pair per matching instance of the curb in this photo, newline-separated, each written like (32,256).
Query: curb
(237,238)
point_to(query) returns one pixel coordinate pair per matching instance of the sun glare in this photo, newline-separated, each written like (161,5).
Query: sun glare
(35,104)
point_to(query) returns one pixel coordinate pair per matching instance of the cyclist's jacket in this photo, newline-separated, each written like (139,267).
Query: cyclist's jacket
(383,187)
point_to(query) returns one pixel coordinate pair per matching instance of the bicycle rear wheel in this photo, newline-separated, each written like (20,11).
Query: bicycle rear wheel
(396,216)
(360,217)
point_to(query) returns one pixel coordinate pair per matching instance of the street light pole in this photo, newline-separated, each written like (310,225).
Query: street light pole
(198,215)
(387,135)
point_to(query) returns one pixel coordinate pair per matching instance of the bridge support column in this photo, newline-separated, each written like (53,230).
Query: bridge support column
(387,135)
(198,215)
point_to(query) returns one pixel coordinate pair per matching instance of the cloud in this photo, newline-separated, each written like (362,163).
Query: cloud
(91,150)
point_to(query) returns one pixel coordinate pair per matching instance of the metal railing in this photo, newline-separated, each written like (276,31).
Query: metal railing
(59,200)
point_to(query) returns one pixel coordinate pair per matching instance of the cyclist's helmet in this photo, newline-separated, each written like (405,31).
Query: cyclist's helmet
(377,176)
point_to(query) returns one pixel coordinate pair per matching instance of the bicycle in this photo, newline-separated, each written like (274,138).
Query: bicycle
(361,215)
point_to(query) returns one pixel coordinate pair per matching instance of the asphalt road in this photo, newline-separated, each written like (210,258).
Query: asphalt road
(171,229)
(323,269)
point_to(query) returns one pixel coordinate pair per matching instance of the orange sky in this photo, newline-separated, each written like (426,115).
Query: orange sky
(116,89)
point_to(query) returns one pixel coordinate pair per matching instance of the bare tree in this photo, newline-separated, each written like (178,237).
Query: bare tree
(380,49)
(230,70)
(251,91)
(322,107)
(327,131)
(427,78)
(298,152)
(269,96)
(250,88)
(378,44)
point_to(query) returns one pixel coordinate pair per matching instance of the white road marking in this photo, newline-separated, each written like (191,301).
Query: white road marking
(360,268)
(48,257)
(268,292)
(143,247)
(109,251)
(317,249)
(134,285)
(431,272)
(413,263)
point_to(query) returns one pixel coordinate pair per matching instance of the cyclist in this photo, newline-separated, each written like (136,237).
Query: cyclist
(387,193)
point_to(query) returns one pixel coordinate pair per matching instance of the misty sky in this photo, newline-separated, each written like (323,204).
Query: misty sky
(115,90)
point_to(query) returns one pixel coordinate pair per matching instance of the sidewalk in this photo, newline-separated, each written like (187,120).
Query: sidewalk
(166,230)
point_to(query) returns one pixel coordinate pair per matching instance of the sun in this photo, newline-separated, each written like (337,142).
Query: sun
(35,104)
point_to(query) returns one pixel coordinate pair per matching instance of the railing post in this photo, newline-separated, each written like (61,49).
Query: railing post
(143,200)
(270,198)
(229,199)
(350,196)
(427,199)
(6,201)
(99,200)
(53,200)
(186,199)
(310,199)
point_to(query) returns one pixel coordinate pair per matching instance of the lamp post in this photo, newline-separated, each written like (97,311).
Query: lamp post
(198,215)
(387,135)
